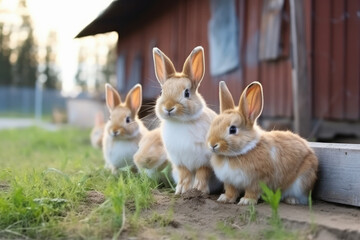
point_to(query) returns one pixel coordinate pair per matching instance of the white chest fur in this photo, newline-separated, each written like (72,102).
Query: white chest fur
(185,144)
(120,153)
(235,177)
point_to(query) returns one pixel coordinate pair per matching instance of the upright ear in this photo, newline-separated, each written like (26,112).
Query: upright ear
(99,119)
(164,68)
(112,97)
(225,97)
(134,99)
(194,66)
(252,101)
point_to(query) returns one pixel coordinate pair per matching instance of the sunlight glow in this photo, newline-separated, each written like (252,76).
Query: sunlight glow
(67,19)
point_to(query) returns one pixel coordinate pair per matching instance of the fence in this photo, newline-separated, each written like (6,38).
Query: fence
(22,100)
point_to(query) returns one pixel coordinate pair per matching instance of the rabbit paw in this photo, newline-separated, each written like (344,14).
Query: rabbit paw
(201,186)
(223,198)
(291,200)
(247,201)
(182,188)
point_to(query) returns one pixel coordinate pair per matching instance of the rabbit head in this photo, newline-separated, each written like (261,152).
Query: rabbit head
(180,100)
(123,122)
(234,131)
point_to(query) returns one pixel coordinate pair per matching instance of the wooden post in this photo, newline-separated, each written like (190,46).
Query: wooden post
(300,80)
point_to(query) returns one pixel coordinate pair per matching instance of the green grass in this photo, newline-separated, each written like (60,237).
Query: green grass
(276,230)
(46,179)
(273,199)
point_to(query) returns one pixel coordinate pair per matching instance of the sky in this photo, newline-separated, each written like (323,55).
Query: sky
(67,18)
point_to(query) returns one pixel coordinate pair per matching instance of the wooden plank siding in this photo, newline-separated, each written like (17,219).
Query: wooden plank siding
(333,43)
(336,74)
(352,83)
(322,58)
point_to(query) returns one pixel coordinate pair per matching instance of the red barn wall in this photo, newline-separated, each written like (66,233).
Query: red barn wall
(336,59)
(333,54)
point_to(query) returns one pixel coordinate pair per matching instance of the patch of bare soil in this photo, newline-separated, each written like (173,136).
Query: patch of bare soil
(92,199)
(95,197)
(198,216)
(4,186)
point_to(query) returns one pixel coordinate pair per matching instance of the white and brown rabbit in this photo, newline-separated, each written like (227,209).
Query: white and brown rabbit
(151,155)
(185,119)
(97,131)
(245,155)
(152,158)
(124,129)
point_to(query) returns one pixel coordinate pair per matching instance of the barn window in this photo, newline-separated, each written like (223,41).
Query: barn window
(223,37)
(120,72)
(270,32)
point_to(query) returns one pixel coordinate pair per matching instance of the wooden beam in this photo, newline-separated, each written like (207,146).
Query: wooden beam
(338,176)
(300,79)
(329,129)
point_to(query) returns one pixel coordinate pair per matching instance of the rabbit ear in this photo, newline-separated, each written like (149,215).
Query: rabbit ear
(134,99)
(225,97)
(252,101)
(164,68)
(112,97)
(194,66)
(99,119)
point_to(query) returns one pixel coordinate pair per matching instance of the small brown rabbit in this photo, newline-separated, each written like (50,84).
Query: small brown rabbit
(185,119)
(245,155)
(97,132)
(124,129)
(151,155)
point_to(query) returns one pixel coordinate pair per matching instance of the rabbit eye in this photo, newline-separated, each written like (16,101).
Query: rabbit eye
(232,130)
(187,93)
(127,120)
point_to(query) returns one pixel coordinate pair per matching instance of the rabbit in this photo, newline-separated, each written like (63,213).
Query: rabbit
(97,131)
(151,155)
(124,129)
(152,158)
(245,155)
(185,119)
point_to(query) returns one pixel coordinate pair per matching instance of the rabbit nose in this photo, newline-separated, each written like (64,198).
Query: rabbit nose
(115,132)
(214,147)
(169,111)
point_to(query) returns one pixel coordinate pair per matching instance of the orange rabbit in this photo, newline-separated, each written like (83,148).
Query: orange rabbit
(245,155)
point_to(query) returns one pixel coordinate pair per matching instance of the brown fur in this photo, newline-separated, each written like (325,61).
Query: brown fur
(278,158)
(231,192)
(151,151)
(174,107)
(97,131)
(202,177)
(185,177)
(119,111)
(295,158)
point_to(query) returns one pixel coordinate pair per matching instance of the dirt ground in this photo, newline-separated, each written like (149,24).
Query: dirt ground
(197,216)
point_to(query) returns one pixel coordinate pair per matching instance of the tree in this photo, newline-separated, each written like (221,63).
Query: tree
(5,52)
(26,63)
(109,69)
(80,77)
(50,58)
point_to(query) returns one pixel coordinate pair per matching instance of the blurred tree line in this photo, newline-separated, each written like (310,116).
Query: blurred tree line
(96,64)
(20,63)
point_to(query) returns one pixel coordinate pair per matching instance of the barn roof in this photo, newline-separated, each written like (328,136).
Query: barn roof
(122,15)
